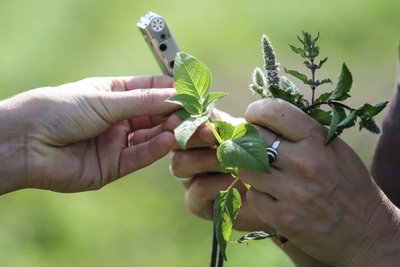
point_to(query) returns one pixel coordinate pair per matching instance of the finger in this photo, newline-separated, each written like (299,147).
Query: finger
(273,184)
(142,155)
(192,162)
(145,135)
(202,191)
(203,137)
(117,106)
(282,118)
(137,82)
(282,149)
(264,206)
(146,122)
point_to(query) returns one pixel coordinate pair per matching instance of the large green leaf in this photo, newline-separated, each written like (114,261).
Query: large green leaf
(246,149)
(344,84)
(191,76)
(226,207)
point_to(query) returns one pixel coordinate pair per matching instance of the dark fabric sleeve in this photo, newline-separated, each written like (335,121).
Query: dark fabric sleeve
(386,161)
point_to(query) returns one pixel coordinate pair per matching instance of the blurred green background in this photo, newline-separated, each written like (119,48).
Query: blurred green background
(141,220)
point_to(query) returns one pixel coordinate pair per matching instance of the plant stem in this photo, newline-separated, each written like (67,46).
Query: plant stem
(315,105)
(233,183)
(313,81)
(216,134)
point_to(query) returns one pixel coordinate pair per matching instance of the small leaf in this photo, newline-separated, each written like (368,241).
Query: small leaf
(315,39)
(322,116)
(288,85)
(370,125)
(324,97)
(325,81)
(343,87)
(298,51)
(226,207)
(211,98)
(187,128)
(368,110)
(225,129)
(298,75)
(246,149)
(183,114)
(338,115)
(257,235)
(349,121)
(189,102)
(191,76)
(322,62)
(259,77)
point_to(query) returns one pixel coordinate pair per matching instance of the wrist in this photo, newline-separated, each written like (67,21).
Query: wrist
(13,167)
(381,238)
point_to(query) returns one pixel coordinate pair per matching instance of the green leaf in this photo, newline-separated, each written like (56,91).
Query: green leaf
(322,116)
(298,51)
(349,121)
(188,127)
(226,207)
(343,87)
(368,110)
(211,98)
(325,81)
(246,149)
(225,129)
(298,75)
(253,236)
(338,115)
(323,97)
(191,76)
(370,125)
(322,62)
(183,114)
(315,39)
(189,102)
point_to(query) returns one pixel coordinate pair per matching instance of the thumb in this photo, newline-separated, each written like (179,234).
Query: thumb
(117,106)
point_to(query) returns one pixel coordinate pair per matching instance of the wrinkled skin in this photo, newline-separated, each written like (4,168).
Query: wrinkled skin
(73,137)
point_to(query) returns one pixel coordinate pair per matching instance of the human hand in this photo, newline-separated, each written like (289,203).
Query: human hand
(74,137)
(321,197)
(199,162)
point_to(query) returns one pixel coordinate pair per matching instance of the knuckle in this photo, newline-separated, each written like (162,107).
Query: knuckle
(198,200)
(288,222)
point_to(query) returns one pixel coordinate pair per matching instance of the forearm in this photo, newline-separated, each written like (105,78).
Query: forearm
(386,162)
(13,167)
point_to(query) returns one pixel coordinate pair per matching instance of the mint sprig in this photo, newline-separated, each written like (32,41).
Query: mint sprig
(337,115)
(239,146)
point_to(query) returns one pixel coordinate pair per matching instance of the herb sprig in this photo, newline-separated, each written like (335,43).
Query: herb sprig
(241,146)
(338,116)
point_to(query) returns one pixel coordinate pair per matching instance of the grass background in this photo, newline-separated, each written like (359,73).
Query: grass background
(141,220)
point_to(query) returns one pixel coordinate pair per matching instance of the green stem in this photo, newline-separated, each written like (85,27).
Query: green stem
(233,183)
(315,105)
(216,134)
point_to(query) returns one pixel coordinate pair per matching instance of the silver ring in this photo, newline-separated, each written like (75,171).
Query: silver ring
(272,151)
(130,139)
